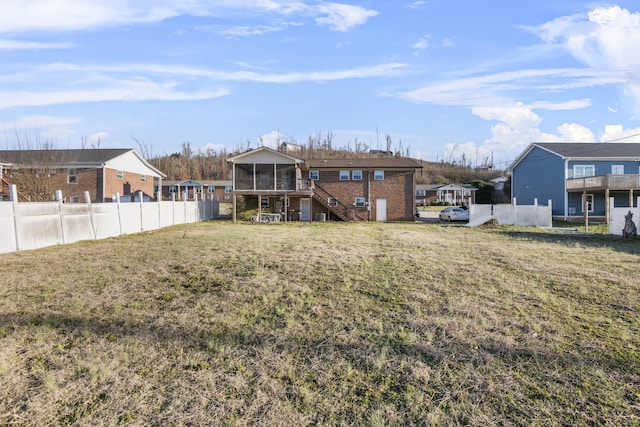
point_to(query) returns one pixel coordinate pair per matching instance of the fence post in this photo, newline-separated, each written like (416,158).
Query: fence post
(58,197)
(173,208)
(184,205)
(87,200)
(197,208)
(117,197)
(13,197)
(141,215)
(159,200)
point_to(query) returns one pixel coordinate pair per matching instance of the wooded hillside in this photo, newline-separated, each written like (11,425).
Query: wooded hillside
(212,165)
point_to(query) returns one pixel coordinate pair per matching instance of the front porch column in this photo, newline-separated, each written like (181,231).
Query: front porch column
(233,207)
(259,208)
(631,198)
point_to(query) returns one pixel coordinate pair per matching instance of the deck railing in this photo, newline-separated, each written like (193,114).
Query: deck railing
(602,182)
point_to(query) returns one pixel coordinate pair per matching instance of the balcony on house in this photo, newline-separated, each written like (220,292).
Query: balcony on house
(604,182)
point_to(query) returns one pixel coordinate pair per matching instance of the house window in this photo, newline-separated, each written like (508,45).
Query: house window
(264,202)
(14,172)
(120,175)
(617,169)
(360,202)
(173,189)
(211,189)
(332,202)
(314,175)
(589,202)
(378,175)
(228,189)
(143,178)
(583,171)
(72,176)
(344,175)
(356,175)
(74,199)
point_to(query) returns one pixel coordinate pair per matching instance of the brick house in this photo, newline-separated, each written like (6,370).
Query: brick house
(451,194)
(380,189)
(219,190)
(102,172)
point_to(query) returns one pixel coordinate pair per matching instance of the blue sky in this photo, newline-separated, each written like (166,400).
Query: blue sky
(445,79)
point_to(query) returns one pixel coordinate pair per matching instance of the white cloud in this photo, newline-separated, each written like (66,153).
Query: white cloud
(135,82)
(96,139)
(342,17)
(37,122)
(422,43)
(606,37)
(500,89)
(572,132)
(242,30)
(70,15)
(619,134)
(447,42)
(126,91)
(6,44)
(271,139)
(415,4)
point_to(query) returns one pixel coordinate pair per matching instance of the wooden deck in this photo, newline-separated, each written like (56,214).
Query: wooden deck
(604,182)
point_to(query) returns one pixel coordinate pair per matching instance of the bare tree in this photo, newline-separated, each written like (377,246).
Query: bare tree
(36,167)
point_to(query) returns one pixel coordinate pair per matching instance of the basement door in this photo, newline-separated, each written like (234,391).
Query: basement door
(381,209)
(305,209)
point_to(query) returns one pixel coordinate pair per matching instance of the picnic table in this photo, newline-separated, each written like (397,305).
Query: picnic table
(266,217)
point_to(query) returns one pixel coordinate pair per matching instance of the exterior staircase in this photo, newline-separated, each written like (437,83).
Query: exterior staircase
(338,209)
(4,191)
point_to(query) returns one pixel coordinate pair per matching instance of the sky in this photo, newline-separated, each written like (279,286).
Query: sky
(454,80)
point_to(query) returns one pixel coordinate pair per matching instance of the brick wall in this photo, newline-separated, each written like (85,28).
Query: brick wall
(397,187)
(130,183)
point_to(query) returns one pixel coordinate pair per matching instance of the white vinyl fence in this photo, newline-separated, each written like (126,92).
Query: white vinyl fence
(617,217)
(513,214)
(25,226)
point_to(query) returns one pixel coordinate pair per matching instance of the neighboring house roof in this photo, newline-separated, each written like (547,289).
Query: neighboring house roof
(428,187)
(372,163)
(499,179)
(94,157)
(585,150)
(192,182)
(434,187)
(457,187)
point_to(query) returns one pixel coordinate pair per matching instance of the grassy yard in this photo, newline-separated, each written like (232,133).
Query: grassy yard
(323,324)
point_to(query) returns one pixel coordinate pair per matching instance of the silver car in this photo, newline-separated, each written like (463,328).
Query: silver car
(454,214)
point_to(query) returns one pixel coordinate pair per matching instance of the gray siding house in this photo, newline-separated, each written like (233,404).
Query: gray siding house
(577,176)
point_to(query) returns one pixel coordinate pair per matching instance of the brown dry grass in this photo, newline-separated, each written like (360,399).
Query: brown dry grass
(323,324)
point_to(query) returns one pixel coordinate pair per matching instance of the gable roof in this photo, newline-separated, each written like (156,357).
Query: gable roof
(90,157)
(373,163)
(264,150)
(585,150)
(86,156)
